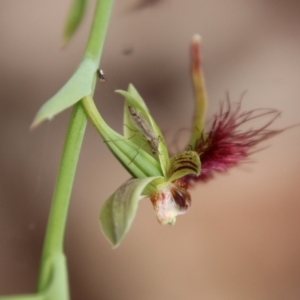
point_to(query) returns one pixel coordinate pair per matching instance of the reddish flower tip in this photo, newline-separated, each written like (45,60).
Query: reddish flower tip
(226,144)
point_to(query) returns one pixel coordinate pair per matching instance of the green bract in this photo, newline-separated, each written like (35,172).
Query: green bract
(78,86)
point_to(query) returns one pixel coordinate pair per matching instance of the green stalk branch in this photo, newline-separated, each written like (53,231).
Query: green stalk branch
(53,246)
(59,210)
(98,31)
(53,277)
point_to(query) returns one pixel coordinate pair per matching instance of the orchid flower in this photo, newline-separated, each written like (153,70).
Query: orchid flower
(154,173)
(143,152)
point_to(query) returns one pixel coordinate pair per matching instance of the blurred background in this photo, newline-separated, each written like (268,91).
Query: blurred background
(240,239)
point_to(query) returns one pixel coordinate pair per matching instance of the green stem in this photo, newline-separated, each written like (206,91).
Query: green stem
(53,245)
(98,31)
(59,209)
(53,281)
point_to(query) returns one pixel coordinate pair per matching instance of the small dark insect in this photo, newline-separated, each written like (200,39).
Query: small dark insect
(140,123)
(101,75)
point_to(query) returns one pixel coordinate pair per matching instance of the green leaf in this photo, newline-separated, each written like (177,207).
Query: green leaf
(184,163)
(78,86)
(119,210)
(74,18)
(134,99)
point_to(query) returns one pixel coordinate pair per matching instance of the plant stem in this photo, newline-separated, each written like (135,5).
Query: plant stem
(61,198)
(98,31)
(53,282)
(53,245)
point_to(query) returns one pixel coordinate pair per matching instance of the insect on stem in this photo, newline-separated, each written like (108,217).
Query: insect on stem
(101,75)
(144,127)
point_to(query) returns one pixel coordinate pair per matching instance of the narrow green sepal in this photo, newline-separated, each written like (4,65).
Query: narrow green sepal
(134,159)
(134,99)
(132,133)
(130,130)
(119,210)
(199,90)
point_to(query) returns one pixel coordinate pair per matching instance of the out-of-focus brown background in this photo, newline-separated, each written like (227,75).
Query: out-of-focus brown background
(240,240)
